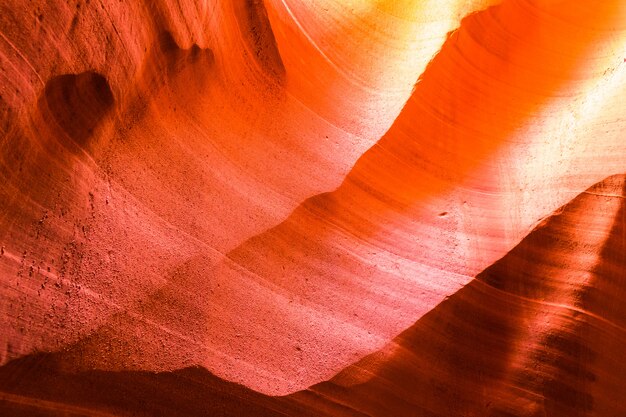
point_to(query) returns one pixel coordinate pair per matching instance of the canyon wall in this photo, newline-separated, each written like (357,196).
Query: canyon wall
(325,208)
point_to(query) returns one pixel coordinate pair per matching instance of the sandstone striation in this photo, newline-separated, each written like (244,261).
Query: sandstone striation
(323,207)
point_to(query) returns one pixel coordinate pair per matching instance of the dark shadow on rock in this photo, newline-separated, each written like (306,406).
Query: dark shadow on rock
(187,392)
(258,35)
(74,105)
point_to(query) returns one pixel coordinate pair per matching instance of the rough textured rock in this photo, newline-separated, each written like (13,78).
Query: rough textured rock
(296,197)
(538,333)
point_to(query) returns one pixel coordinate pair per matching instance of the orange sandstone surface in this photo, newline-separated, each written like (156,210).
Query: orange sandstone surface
(312,208)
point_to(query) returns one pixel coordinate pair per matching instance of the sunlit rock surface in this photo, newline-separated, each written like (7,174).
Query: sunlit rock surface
(540,332)
(365,208)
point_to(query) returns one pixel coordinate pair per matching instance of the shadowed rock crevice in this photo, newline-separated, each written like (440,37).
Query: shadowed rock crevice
(185,72)
(76,104)
(259,37)
(177,59)
(188,392)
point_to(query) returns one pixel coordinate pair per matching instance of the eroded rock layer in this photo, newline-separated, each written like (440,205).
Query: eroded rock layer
(529,336)
(271,192)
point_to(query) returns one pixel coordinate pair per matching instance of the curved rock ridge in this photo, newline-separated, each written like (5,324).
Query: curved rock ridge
(139,136)
(537,333)
(266,189)
(442,195)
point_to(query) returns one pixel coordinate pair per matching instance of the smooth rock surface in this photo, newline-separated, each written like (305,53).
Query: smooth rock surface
(529,336)
(274,191)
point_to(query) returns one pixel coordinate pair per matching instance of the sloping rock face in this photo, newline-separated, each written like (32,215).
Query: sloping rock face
(275,191)
(539,333)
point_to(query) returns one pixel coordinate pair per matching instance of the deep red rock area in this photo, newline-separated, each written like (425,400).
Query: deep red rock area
(280,207)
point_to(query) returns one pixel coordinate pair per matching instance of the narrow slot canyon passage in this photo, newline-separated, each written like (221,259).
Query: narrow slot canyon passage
(313,208)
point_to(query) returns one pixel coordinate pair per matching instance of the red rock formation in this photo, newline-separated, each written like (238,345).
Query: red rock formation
(262,189)
(139,136)
(537,333)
